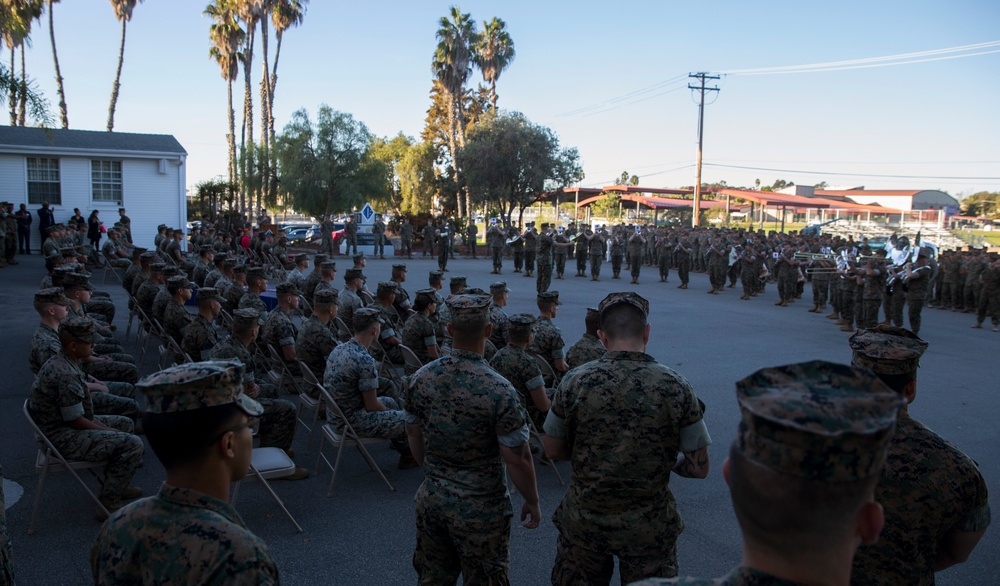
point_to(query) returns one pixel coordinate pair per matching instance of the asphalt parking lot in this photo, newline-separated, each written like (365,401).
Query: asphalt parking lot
(364,533)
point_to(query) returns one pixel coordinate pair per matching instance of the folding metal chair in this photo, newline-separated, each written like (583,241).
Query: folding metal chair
(315,406)
(265,464)
(410,358)
(48,459)
(343,332)
(278,364)
(346,437)
(534,435)
(548,373)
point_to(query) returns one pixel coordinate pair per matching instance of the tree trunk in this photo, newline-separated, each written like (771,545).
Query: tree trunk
(231,137)
(23,98)
(270,112)
(118,76)
(248,119)
(454,149)
(13,87)
(265,99)
(493,94)
(63,116)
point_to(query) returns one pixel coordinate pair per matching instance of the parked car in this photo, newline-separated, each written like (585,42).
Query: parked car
(298,235)
(338,232)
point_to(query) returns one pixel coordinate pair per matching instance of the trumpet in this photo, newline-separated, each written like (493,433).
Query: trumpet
(813,256)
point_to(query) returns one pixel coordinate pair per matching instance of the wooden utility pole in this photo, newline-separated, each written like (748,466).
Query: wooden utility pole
(701,123)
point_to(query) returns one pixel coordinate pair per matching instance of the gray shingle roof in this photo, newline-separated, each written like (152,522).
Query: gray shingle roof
(13,136)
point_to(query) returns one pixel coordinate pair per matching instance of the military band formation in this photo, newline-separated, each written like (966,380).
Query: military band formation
(460,388)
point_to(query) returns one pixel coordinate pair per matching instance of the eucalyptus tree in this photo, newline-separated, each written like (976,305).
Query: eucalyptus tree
(493,53)
(123,12)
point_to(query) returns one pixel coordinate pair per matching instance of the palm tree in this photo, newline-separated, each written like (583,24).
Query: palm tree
(452,66)
(16,17)
(266,7)
(284,15)
(493,54)
(227,38)
(248,11)
(63,116)
(123,12)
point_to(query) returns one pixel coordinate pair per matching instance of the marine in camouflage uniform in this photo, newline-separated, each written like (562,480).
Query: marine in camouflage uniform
(277,424)
(419,334)
(521,370)
(917,282)
(465,421)
(499,319)
(543,259)
(616,248)
(60,398)
(595,248)
(618,419)
(175,316)
(933,494)
(589,347)
(251,299)
(989,301)
(546,338)
(201,335)
(636,246)
(182,535)
(349,301)
(809,433)
(316,339)
(350,373)
(530,239)
(406,238)
(297,276)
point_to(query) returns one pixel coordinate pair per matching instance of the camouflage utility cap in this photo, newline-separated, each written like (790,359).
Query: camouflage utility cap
(326,297)
(592,312)
(286,289)
(197,385)
(209,294)
(255,273)
(817,420)
(385,287)
(458,280)
(246,317)
(77,280)
(428,294)
(887,350)
(364,318)
(180,282)
(206,248)
(499,287)
(157,267)
(147,256)
(351,274)
(399,267)
(633,299)
(319,259)
(51,295)
(470,309)
(521,321)
(79,328)
(301,258)
(171,270)
(549,297)
(229,263)
(240,270)
(358,257)
(328,265)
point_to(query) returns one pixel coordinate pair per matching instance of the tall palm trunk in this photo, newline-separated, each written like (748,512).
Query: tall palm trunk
(273,80)
(453,148)
(63,116)
(231,137)
(23,97)
(118,76)
(265,99)
(13,87)
(248,118)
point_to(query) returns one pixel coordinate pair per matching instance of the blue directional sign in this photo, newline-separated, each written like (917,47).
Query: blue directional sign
(367,213)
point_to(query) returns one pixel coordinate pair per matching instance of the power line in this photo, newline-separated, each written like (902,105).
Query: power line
(874,175)
(869,66)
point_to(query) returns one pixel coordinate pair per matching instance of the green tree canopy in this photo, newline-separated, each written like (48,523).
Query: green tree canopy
(510,161)
(326,166)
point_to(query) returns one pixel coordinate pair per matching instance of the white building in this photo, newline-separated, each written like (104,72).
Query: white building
(91,170)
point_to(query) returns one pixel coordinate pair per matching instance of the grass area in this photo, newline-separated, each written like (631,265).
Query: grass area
(992,237)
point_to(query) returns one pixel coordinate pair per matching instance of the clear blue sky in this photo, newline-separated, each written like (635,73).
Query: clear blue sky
(372,59)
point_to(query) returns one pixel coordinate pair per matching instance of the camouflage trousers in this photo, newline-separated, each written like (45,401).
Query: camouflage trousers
(664,264)
(479,550)
(684,269)
(114,370)
(277,424)
(915,307)
(101,308)
(529,262)
(544,278)
(577,565)
(496,252)
(635,264)
(868,313)
(894,306)
(6,555)
(821,290)
(121,450)
(113,403)
(560,265)
(595,266)
(581,264)
(389,424)
(989,303)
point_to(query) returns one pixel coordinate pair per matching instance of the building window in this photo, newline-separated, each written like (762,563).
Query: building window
(106,180)
(43,181)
